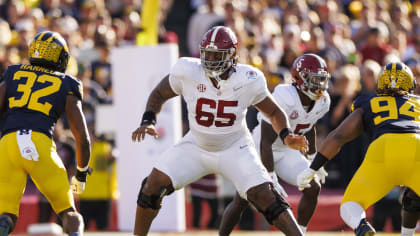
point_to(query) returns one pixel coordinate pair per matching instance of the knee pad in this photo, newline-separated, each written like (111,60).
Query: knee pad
(152,201)
(410,204)
(275,209)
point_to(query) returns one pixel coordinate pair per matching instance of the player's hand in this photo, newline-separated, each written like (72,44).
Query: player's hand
(297,142)
(305,177)
(277,185)
(78,181)
(139,134)
(322,174)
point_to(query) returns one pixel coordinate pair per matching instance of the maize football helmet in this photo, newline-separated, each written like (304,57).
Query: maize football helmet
(310,75)
(48,49)
(218,50)
(396,76)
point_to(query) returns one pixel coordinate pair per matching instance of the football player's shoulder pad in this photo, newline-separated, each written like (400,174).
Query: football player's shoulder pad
(283,93)
(361,100)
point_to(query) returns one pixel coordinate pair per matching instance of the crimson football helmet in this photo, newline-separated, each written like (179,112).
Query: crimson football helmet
(218,51)
(310,74)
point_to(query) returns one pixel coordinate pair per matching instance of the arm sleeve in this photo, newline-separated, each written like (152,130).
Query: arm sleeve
(360,101)
(75,87)
(176,76)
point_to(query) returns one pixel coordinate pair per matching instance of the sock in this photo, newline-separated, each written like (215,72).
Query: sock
(352,213)
(4,226)
(303,228)
(76,234)
(407,231)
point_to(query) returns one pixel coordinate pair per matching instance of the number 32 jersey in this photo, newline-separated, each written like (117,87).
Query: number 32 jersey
(217,116)
(36,97)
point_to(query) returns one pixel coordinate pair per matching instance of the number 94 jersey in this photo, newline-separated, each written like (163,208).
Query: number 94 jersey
(36,97)
(388,114)
(217,116)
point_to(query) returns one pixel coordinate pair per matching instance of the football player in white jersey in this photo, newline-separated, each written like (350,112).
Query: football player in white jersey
(305,101)
(217,91)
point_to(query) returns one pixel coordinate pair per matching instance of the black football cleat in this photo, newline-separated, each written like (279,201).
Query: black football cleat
(364,229)
(4,226)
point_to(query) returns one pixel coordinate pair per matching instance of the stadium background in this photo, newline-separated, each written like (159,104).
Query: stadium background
(356,38)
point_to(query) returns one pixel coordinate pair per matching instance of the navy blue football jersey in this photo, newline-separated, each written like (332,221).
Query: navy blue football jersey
(36,97)
(388,114)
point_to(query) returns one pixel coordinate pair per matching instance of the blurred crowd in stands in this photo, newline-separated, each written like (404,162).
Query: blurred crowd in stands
(356,38)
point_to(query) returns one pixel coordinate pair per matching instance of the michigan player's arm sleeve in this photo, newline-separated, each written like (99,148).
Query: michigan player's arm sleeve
(349,129)
(268,136)
(79,129)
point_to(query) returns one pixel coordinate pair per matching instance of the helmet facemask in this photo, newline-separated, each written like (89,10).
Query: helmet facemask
(314,83)
(216,61)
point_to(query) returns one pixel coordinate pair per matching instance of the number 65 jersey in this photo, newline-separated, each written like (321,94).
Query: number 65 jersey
(36,97)
(217,116)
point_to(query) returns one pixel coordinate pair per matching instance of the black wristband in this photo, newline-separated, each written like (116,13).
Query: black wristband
(284,132)
(319,161)
(81,175)
(149,118)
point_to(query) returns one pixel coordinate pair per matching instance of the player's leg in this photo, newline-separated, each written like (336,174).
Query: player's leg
(72,222)
(244,168)
(288,164)
(214,210)
(176,167)
(152,191)
(410,212)
(372,181)
(50,176)
(232,215)
(411,196)
(275,209)
(12,183)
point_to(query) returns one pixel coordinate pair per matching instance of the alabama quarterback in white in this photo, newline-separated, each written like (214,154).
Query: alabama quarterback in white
(217,91)
(304,102)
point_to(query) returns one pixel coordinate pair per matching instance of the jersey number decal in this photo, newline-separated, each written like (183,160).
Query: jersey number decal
(299,127)
(34,96)
(410,108)
(220,105)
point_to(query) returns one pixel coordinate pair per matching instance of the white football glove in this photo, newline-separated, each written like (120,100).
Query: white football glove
(77,186)
(322,173)
(305,177)
(78,181)
(277,185)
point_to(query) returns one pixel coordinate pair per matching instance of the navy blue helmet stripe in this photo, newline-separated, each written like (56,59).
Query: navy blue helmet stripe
(47,35)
